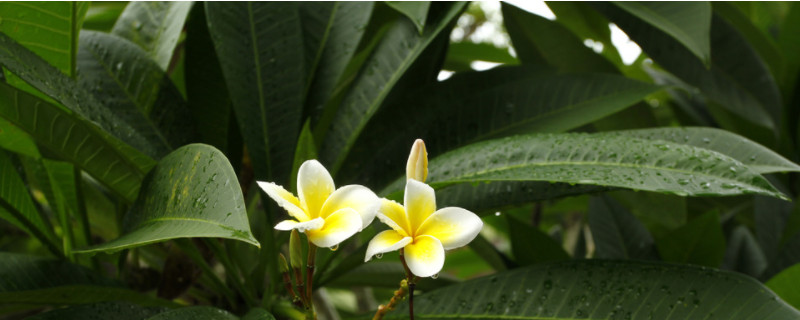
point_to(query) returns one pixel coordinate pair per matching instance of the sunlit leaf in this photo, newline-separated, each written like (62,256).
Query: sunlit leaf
(155,26)
(15,139)
(785,286)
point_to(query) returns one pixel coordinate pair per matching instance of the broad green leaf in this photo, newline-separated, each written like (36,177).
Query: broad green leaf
(384,274)
(192,192)
(688,23)
(258,314)
(198,312)
(476,106)
(417,11)
(394,55)
(315,20)
(27,279)
(15,139)
(785,286)
(19,209)
(755,156)
(698,242)
(743,254)
(738,79)
(114,164)
(461,54)
(65,90)
(126,81)
(586,23)
(529,245)
(306,150)
(101,16)
(261,51)
(598,160)
(617,233)
(596,289)
(538,40)
(102,310)
(155,26)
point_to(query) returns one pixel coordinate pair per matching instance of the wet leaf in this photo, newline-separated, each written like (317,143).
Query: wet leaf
(155,26)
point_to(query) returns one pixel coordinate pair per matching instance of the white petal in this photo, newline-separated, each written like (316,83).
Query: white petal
(386,241)
(356,197)
(393,214)
(420,203)
(285,199)
(338,227)
(424,256)
(313,224)
(454,227)
(314,185)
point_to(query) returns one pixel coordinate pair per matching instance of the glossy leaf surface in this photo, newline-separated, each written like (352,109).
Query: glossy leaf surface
(155,26)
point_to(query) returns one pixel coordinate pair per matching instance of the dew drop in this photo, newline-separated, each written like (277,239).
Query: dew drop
(435,276)
(378,255)
(335,247)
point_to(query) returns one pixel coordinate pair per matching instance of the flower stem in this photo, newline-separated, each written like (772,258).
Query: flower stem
(312,258)
(406,287)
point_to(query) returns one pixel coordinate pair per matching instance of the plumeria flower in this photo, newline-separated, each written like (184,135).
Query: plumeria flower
(325,214)
(423,232)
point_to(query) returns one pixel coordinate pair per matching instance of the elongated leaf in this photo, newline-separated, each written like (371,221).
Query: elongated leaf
(126,81)
(192,192)
(306,150)
(65,194)
(586,23)
(598,160)
(460,55)
(18,206)
(28,279)
(15,139)
(755,156)
(116,165)
(603,290)
(103,310)
(616,232)
(785,286)
(738,79)
(744,254)
(261,51)
(698,242)
(760,40)
(396,52)
(200,312)
(417,11)
(49,80)
(689,23)
(155,26)
(476,106)
(315,20)
(532,246)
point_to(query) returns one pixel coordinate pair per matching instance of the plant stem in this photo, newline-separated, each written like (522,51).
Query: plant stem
(312,257)
(406,287)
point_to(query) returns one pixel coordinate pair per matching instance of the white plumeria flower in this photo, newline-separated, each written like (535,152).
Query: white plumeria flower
(423,232)
(325,214)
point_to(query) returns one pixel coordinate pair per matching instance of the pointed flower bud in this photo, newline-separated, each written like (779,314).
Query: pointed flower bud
(417,166)
(284,267)
(295,250)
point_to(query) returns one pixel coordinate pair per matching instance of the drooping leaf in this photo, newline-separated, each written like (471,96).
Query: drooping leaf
(596,289)
(192,192)
(785,286)
(757,157)
(688,23)
(261,51)
(18,207)
(27,279)
(65,90)
(126,81)
(529,245)
(617,233)
(743,254)
(113,163)
(699,242)
(417,11)
(155,26)
(102,310)
(394,55)
(15,139)
(597,160)
(197,312)
(476,106)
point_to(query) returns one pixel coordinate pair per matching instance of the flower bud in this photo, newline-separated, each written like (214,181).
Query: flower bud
(295,250)
(282,265)
(417,166)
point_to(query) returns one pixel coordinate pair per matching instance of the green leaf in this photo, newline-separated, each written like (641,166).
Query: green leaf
(475,106)
(788,255)
(199,312)
(258,314)
(393,56)
(617,233)
(785,286)
(529,245)
(598,160)
(586,23)
(101,16)
(261,51)
(155,26)
(192,192)
(129,83)
(19,209)
(538,40)
(698,242)
(62,178)
(688,23)
(416,11)
(306,150)
(103,310)
(744,254)
(755,156)
(461,54)
(65,90)
(593,289)
(114,164)
(15,139)
(27,279)
(771,216)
